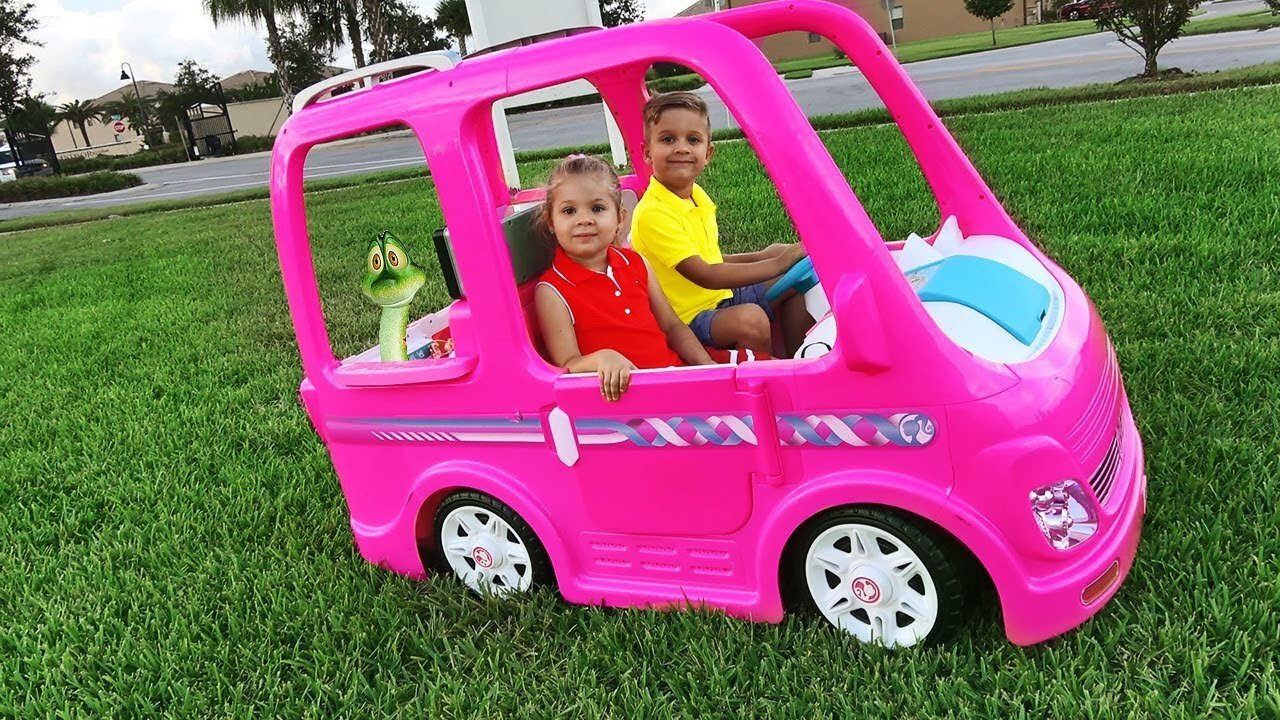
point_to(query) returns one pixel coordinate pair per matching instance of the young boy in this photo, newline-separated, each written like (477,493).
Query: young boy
(721,297)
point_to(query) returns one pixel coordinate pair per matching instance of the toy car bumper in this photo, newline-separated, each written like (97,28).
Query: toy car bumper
(1052,605)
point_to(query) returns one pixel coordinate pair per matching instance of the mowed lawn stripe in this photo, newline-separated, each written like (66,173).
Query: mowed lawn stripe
(176,542)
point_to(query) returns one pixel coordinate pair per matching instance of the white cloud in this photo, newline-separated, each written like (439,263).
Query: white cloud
(664,8)
(84,42)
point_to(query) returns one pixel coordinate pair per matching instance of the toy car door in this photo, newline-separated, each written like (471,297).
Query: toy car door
(676,455)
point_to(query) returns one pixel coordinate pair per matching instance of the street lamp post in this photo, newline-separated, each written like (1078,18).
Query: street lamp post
(142,113)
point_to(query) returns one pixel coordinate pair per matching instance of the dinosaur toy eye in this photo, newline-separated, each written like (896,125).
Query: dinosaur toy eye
(375,260)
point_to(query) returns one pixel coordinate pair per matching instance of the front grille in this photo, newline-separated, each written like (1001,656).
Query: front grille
(1103,480)
(1089,432)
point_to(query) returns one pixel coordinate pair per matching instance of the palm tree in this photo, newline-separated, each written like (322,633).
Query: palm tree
(335,21)
(82,113)
(451,16)
(127,107)
(34,115)
(260,11)
(377,31)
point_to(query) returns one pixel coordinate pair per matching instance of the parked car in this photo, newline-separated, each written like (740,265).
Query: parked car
(8,164)
(1084,9)
(37,167)
(958,412)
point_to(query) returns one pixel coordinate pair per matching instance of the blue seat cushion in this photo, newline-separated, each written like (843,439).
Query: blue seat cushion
(1010,299)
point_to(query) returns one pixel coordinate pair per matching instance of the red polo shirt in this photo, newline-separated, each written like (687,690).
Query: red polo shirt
(610,310)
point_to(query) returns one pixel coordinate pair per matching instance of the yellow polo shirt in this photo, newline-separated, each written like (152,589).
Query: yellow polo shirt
(668,229)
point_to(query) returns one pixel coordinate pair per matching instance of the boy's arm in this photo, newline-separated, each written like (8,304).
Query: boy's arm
(729,275)
(679,337)
(612,366)
(764,254)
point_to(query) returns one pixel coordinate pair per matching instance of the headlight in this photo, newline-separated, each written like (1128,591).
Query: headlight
(1065,513)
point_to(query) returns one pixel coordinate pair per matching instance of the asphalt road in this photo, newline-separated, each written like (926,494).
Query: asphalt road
(1060,63)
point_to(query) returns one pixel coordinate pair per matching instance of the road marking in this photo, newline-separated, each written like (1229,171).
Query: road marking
(399,161)
(217,188)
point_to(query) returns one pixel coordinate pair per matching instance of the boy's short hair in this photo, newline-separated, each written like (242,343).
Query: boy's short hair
(679,100)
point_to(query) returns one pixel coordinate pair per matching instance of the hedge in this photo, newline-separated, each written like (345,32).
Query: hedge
(672,84)
(253,143)
(42,188)
(162,155)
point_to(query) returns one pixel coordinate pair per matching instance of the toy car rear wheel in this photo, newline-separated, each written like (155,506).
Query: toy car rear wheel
(877,575)
(488,546)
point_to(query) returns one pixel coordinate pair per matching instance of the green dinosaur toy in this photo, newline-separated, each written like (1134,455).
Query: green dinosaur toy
(391,281)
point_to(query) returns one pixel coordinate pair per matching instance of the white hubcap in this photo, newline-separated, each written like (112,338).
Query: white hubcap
(870,584)
(485,552)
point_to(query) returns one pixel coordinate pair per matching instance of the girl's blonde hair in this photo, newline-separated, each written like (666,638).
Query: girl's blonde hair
(577,166)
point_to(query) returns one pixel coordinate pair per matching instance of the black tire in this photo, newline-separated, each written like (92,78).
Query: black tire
(944,562)
(537,569)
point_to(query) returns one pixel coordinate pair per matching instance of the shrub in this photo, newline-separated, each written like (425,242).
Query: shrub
(40,188)
(254,143)
(672,84)
(160,155)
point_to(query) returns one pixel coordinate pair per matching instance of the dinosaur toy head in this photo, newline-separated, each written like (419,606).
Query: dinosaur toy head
(390,279)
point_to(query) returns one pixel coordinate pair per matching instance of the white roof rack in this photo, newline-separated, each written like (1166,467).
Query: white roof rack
(368,75)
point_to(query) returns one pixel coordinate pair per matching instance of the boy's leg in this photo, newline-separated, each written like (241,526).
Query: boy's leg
(793,316)
(745,326)
(796,321)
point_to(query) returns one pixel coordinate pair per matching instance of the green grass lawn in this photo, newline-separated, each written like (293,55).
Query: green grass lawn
(962,44)
(176,543)
(1262,20)
(966,43)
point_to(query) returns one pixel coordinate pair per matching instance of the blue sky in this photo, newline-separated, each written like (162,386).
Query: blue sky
(86,40)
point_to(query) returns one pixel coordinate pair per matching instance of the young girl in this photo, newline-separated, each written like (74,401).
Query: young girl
(599,306)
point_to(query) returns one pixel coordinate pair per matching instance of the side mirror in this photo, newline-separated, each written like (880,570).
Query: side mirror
(859,328)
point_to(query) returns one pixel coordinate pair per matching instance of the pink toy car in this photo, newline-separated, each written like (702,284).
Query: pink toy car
(957,407)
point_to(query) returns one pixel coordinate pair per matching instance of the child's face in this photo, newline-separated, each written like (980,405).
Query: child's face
(584,217)
(678,147)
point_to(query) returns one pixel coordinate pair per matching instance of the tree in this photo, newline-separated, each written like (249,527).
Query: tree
(375,28)
(307,64)
(334,22)
(1146,26)
(194,81)
(128,109)
(408,32)
(260,11)
(81,114)
(1274,5)
(620,12)
(988,10)
(192,84)
(33,115)
(16,27)
(451,16)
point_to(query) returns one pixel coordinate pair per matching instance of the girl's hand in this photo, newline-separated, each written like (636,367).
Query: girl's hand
(615,374)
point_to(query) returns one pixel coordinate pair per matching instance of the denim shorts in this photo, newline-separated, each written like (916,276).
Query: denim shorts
(749,295)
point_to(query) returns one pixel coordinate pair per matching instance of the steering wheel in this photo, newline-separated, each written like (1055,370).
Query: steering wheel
(800,278)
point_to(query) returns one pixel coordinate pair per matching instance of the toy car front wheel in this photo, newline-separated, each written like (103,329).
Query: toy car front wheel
(878,576)
(488,546)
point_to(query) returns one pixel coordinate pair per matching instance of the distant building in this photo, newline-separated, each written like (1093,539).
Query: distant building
(147,88)
(913,20)
(246,78)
